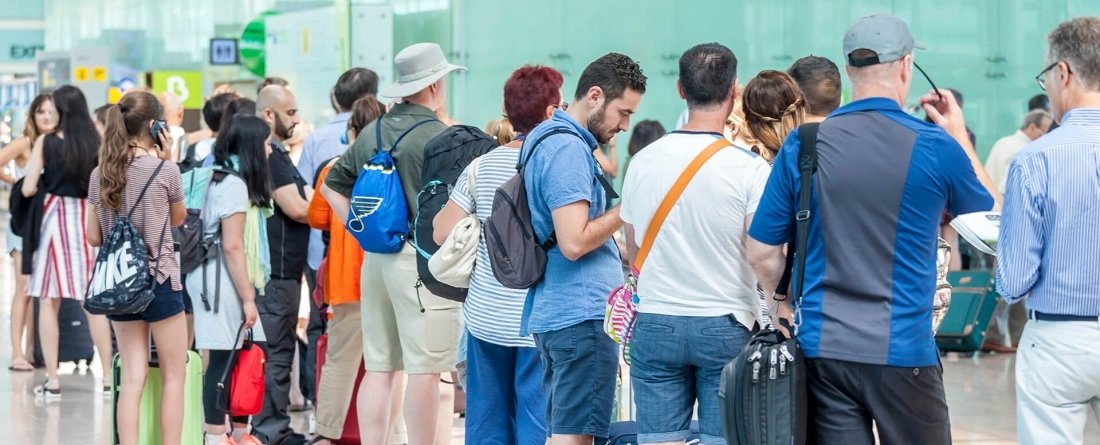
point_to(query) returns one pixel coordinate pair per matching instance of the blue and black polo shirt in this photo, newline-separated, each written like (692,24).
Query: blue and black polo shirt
(883,180)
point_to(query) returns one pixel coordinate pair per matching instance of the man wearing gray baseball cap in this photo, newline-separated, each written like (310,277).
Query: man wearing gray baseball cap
(866,308)
(405,327)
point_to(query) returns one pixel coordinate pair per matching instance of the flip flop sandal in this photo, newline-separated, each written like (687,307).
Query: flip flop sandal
(21,367)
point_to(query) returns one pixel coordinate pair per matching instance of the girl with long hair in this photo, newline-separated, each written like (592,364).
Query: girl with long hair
(63,262)
(42,119)
(773,108)
(235,209)
(136,177)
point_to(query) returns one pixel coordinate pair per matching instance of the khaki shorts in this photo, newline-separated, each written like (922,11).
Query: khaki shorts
(401,331)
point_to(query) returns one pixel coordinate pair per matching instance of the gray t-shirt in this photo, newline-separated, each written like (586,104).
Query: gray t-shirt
(217,331)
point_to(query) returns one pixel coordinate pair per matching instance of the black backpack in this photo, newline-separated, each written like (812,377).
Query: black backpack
(445,157)
(189,162)
(194,248)
(121,282)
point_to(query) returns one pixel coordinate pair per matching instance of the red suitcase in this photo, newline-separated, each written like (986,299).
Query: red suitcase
(351,424)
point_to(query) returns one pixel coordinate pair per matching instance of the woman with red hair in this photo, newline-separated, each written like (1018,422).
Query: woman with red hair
(505,401)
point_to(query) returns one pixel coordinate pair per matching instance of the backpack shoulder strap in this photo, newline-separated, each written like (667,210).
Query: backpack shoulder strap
(144,189)
(378,133)
(189,156)
(471,183)
(538,141)
(672,196)
(807,166)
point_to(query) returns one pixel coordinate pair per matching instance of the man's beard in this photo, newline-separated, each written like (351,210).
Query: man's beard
(595,126)
(282,131)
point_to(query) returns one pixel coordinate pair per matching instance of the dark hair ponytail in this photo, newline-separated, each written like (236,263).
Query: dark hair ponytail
(80,144)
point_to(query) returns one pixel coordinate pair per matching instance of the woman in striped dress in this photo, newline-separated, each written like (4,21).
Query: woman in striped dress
(64,161)
(505,401)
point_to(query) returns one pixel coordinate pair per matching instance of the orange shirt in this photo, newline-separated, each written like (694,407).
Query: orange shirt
(345,257)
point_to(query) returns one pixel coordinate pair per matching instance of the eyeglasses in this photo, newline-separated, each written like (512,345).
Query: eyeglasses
(929,79)
(1042,79)
(562,106)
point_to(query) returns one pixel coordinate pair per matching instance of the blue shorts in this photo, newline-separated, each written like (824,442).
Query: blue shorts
(676,361)
(166,303)
(580,364)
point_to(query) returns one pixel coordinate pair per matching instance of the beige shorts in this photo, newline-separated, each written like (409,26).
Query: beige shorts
(401,330)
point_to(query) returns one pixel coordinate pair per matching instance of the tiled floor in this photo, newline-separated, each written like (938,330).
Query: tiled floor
(980,393)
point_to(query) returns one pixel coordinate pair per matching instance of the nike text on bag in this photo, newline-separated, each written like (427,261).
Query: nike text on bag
(445,157)
(246,391)
(518,258)
(622,304)
(379,217)
(121,282)
(453,263)
(762,394)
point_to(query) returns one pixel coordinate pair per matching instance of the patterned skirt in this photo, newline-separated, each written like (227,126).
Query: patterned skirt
(64,261)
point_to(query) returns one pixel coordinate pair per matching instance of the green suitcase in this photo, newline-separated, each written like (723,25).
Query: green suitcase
(973,299)
(149,423)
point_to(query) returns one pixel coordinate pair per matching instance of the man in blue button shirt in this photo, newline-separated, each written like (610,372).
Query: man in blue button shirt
(1049,246)
(883,179)
(567,196)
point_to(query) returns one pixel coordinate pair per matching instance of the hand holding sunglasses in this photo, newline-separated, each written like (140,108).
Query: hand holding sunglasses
(945,112)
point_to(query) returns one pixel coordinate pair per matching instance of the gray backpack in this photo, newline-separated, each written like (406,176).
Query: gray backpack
(517,256)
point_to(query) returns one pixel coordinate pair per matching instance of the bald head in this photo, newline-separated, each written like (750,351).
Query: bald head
(277,106)
(173,109)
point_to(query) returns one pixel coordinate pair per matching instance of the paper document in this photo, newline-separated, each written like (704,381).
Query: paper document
(979,229)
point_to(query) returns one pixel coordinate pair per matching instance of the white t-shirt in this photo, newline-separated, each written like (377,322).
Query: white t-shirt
(203,148)
(697,266)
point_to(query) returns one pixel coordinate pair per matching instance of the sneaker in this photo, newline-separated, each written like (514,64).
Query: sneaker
(46,392)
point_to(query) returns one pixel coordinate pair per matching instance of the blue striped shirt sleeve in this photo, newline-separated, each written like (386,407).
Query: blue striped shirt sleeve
(1020,242)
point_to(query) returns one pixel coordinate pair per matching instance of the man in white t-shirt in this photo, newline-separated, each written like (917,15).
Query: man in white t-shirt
(697,291)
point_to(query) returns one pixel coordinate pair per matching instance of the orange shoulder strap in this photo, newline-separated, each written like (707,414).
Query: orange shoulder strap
(673,196)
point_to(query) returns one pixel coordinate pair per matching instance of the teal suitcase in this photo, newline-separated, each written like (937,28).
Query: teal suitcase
(973,299)
(149,423)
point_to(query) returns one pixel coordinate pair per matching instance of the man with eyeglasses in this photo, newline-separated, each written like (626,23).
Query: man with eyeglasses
(1049,246)
(883,178)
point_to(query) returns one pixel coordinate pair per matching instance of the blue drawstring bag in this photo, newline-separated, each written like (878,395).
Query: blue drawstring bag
(378,217)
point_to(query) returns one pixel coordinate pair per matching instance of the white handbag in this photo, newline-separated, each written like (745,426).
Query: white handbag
(453,263)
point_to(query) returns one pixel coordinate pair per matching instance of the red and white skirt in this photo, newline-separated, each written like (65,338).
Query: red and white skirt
(64,261)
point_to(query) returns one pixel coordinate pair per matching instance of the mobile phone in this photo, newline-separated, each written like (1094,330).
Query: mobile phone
(158,126)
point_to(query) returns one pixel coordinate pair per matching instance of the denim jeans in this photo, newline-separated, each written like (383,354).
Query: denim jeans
(505,402)
(676,361)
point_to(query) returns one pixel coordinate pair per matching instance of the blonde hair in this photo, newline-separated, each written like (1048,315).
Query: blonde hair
(737,121)
(773,108)
(501,130)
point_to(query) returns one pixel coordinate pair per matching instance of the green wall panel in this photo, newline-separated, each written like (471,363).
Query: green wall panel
(990,50)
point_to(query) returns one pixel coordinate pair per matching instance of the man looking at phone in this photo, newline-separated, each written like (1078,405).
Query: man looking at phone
(288,237)
(866,312)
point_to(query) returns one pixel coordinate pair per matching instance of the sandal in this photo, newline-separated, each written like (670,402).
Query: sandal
(108,385)
(45,391)
(21,366)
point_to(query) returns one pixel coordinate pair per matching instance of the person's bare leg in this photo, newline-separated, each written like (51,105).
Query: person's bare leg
(48,309)
(172,353)
(19,304)
(100,328)
(422,408)
(374,417)
(569,439)
(446,412)
(190,330)
(397,401)
(32,324)
(133,347)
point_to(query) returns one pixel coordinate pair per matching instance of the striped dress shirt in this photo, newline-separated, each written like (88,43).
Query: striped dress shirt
(1049,242)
